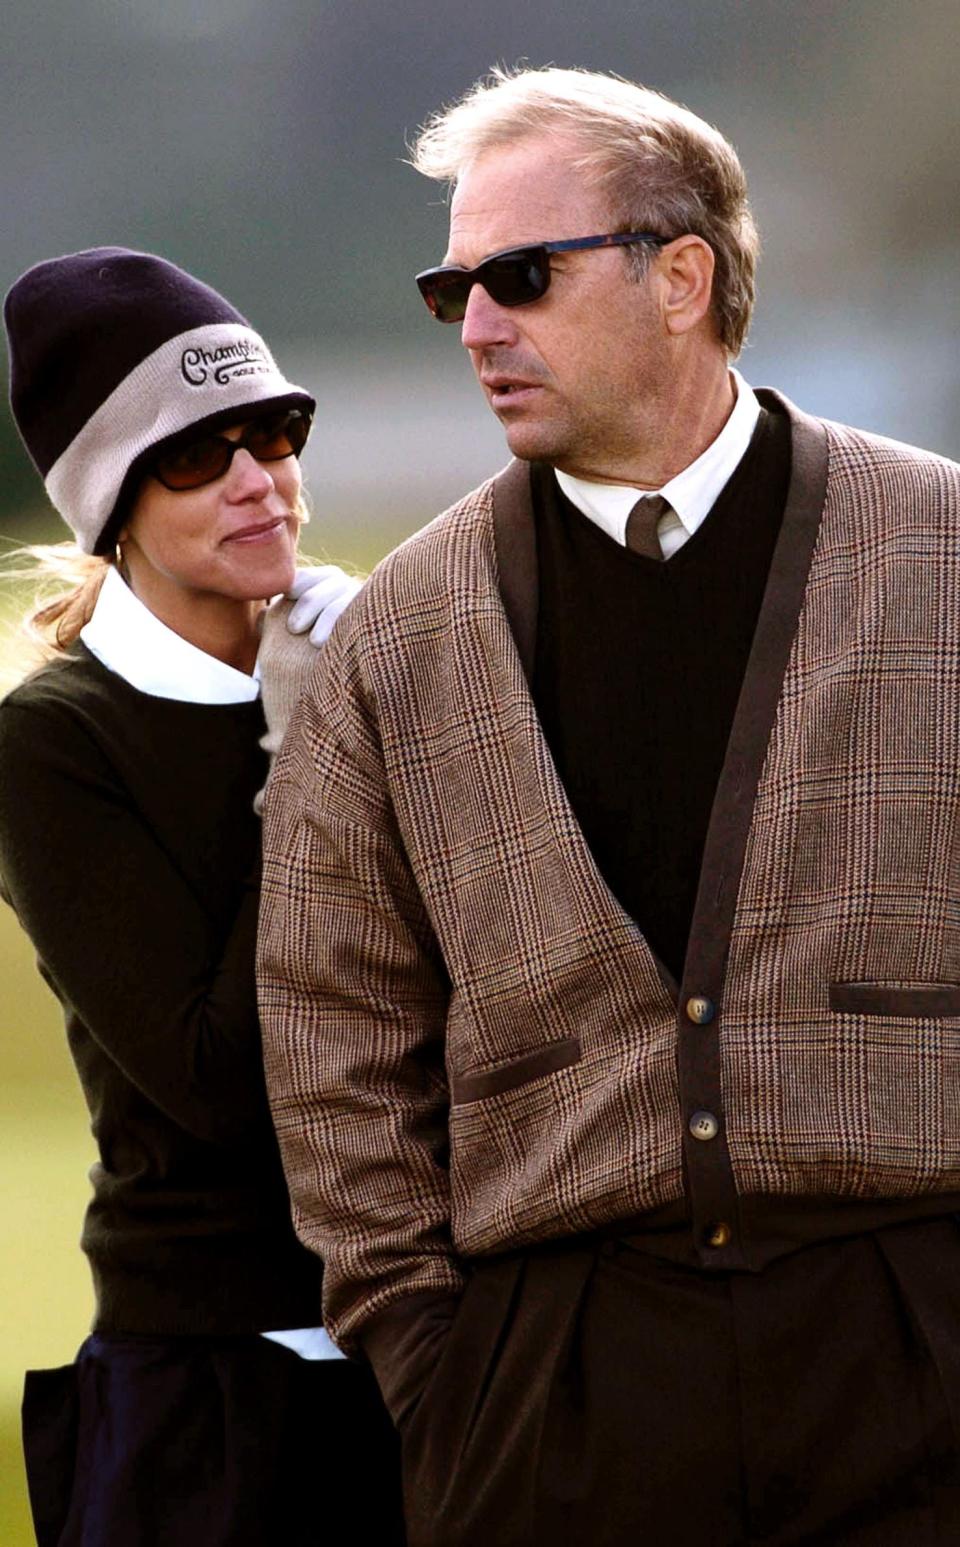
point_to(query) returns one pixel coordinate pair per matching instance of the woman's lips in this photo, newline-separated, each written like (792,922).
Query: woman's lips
(261,532)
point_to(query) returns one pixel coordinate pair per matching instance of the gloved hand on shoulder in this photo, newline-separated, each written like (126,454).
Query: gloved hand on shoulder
(320,596)
(293,629)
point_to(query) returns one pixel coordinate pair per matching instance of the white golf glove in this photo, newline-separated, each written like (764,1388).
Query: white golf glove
(319,596)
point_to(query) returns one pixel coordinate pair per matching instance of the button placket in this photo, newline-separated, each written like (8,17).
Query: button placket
(709,1176)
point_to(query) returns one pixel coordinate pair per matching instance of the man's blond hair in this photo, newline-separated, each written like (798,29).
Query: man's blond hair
(663,168)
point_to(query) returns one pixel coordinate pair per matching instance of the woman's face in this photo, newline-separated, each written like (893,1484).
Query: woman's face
(234,538)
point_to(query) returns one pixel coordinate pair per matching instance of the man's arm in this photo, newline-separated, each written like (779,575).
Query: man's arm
(353,1001)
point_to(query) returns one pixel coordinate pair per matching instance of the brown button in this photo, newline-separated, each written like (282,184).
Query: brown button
(719,1234)
(700,1009)
(703,1125)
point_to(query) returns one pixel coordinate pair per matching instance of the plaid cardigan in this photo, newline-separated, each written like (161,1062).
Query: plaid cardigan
(470,1046)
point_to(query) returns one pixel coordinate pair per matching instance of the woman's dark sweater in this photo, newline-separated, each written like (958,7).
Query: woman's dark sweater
(129,849)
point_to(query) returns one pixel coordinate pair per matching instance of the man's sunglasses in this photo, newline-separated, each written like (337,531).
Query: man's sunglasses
(512,277)
(269,438)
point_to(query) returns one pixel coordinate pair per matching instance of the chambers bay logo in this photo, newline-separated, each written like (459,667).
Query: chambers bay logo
(225,363)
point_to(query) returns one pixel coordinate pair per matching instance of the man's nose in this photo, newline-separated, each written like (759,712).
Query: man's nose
(248,479)
(486,322)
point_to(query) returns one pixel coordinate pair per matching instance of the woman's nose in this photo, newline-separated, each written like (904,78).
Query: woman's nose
(246,477)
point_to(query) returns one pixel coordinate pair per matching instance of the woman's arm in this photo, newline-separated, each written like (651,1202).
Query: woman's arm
(121,936)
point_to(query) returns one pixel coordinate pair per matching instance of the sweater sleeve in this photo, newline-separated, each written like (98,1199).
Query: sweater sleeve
(122,940)
(285,661)
(353,1000)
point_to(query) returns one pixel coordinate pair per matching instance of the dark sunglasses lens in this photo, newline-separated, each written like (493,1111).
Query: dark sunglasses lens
(515,279)
(198,463)
(445,294)
(277,436)
(511,280)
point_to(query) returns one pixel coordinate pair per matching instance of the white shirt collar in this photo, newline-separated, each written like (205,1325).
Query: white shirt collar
(128,639)
(692,493)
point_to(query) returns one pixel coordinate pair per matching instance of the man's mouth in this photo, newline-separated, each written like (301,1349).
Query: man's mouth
(502,390)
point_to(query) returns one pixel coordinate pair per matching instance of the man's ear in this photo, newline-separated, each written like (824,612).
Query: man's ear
(686,283)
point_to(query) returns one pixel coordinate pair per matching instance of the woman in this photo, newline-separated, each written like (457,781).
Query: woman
(198,1410)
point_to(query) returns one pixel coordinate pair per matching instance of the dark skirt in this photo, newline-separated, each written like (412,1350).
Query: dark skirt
(225,1442)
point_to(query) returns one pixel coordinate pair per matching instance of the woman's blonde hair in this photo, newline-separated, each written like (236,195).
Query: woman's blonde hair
(63,583)
(69,584)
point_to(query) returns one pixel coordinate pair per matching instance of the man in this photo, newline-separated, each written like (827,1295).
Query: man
(611,946)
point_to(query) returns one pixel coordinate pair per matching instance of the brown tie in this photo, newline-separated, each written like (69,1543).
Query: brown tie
(642,522)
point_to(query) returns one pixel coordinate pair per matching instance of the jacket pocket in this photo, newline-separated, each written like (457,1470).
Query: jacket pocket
(904,999)
(481,1083)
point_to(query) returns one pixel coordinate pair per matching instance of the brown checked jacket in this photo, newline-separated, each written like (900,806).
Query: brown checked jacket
(469,1044)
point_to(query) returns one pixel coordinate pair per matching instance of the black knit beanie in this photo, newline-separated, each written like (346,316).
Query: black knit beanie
(113,354)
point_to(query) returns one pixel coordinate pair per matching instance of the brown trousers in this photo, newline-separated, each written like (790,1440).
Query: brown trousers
(593,1395)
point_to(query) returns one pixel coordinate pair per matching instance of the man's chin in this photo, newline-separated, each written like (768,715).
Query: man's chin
(532,443)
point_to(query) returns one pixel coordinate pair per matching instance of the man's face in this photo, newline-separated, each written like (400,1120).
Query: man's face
(574,377)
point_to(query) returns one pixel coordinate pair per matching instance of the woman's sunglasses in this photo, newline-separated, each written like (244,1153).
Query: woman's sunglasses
(269,438)
(512,277)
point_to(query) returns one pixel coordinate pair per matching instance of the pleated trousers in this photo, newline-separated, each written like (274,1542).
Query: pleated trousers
(595,1395)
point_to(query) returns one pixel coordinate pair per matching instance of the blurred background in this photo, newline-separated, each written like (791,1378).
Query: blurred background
(262,147)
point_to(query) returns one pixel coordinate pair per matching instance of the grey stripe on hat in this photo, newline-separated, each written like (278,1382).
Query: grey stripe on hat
(189,378)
